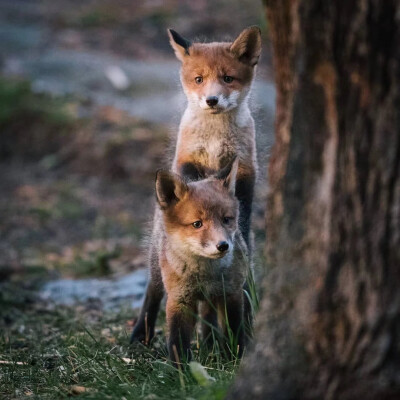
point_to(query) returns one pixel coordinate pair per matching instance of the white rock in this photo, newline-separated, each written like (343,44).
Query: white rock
(117,77)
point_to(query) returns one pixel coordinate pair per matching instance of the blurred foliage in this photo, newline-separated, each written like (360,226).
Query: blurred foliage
(139,27)
(94,263)
(104,16)
(31,124)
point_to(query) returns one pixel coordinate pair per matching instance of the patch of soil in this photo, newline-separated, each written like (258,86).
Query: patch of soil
(83,208)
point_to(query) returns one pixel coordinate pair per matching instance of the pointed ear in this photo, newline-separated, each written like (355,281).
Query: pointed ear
(179,44)
(228,174)
(170,188)
(247,46)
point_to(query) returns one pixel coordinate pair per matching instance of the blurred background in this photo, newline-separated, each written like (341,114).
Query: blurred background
(89,103)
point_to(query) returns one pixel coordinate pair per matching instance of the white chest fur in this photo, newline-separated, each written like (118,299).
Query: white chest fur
(217,135)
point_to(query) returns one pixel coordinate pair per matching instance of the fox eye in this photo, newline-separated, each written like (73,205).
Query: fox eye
(226,220)
(228,79)
(197,224)
(198,79)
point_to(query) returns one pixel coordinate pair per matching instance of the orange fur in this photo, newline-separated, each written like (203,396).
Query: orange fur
(188,274)
(189,260)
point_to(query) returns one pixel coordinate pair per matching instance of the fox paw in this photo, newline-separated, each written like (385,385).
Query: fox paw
(141,335)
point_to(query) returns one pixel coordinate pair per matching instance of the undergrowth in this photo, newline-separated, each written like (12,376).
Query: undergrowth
(58,352)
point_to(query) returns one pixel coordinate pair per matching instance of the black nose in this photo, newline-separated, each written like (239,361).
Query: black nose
(212,101)
(222,246)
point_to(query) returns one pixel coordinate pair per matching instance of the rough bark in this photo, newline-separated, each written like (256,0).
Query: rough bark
(329,323)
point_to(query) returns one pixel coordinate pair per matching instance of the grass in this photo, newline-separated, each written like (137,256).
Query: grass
(51,352)
(54,352)
(58,352)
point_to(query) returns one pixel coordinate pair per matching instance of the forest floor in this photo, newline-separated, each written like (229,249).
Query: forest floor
(77,163)
(73,215)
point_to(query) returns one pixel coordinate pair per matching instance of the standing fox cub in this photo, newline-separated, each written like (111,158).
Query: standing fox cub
(200,257)
(217,124)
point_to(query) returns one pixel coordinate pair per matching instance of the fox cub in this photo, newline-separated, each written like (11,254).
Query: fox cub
(217,124)
(200,258)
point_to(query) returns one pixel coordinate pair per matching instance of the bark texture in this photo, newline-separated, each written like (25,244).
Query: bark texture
(329,324)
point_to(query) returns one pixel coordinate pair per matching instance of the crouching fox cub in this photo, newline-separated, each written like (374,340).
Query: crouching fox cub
(200,259)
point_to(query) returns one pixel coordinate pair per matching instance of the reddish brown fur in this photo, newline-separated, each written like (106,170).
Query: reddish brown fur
(206,203)
(212,62)
(191,274)
(209,202)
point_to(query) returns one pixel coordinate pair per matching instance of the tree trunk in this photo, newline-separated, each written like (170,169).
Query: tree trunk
(329,323)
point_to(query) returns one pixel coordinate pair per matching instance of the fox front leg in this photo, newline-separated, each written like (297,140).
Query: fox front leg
(143,330)
(181,321)
(230,313)
(209,322)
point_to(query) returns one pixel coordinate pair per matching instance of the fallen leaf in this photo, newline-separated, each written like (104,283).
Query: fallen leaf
(76,389)
(128,360)
(200,374)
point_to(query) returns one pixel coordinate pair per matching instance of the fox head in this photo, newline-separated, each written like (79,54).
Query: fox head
(200,217)
(216,77)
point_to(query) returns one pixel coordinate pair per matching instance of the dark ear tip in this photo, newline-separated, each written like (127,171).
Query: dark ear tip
(174,34)
(171,33)
(225,171)
(232,160)
(160,172)
(255,28)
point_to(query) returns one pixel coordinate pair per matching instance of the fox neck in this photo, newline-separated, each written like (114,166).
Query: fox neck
(211,139)
(180,255)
